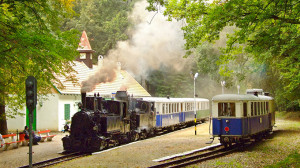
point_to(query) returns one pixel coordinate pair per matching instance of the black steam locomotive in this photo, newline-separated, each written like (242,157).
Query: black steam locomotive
(103,123)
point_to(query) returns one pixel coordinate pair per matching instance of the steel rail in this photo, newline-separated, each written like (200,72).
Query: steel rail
(184,161)
(57,160)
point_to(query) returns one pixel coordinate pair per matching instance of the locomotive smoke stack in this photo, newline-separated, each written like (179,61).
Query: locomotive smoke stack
(83,99)
(122,95)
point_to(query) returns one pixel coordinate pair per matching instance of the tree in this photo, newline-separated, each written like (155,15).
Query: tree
(32,44)
(106,22)
(268,31)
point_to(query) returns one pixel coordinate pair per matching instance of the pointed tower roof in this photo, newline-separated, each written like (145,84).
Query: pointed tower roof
(84,42)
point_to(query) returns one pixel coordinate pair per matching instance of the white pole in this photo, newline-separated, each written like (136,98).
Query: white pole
(196,75)
(195,106)
(223,84)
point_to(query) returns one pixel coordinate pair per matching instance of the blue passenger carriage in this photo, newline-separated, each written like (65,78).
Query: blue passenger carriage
(172,112)
(237,118)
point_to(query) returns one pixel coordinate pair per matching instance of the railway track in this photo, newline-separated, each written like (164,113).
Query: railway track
(57,160)
(186,160)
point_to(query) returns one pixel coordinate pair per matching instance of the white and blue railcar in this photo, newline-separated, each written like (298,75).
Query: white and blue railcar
(237,118)
(172,112)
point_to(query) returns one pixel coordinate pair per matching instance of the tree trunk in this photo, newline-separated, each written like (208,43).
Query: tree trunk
(3,123)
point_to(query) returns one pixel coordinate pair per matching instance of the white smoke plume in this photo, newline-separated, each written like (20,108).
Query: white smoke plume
(105,74)
(150,46)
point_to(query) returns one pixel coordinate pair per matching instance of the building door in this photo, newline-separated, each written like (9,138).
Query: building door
(34,119)
(67,111)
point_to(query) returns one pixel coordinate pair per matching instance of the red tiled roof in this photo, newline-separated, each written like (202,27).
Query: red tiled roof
(84,42)
(83,72)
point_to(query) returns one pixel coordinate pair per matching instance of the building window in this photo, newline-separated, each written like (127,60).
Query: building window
(82,55)
(67,111)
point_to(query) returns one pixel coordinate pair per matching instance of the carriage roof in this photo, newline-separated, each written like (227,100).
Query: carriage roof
(239,97)
(174,100)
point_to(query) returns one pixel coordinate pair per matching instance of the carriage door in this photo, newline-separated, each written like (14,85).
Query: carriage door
(152,117)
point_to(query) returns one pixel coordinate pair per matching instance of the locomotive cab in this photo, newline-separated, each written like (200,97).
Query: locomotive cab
(145,115)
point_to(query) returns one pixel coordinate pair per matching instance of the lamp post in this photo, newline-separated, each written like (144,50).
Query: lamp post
(195,77)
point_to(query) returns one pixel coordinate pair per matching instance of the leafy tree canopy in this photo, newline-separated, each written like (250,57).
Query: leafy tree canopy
(268,30)
(106,22)
(32,44)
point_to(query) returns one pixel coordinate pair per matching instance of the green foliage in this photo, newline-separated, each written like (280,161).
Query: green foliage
(167,82)
(106,22)
(293,160)
(266,31)
(33,44)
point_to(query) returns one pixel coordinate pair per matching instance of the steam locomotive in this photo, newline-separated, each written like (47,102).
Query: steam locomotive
(104,123)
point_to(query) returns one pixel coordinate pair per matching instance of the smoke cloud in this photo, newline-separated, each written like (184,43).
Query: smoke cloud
(105,74)
(150,46)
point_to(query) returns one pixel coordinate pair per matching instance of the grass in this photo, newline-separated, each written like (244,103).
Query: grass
(293,160)
(232,163)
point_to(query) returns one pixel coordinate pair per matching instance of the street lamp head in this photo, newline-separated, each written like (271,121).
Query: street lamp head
(223,83)
(196,75)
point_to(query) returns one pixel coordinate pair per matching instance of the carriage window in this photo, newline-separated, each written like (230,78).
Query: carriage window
(258,108)
(252,109)
(255,108)
(226,109)
(245,109)
(181,107)
(264,107)
(174,107)
(152,106)
(167,108)
(267,107)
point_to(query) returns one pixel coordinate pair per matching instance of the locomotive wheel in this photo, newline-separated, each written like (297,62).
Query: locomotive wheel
(136,137)
(115,143)
(143,135)
(103,145)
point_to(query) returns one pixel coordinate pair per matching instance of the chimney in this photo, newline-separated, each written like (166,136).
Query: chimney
(122,95)
(119,66)
(100,61)
(83,101)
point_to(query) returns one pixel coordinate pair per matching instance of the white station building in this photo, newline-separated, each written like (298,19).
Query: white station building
(61,105)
